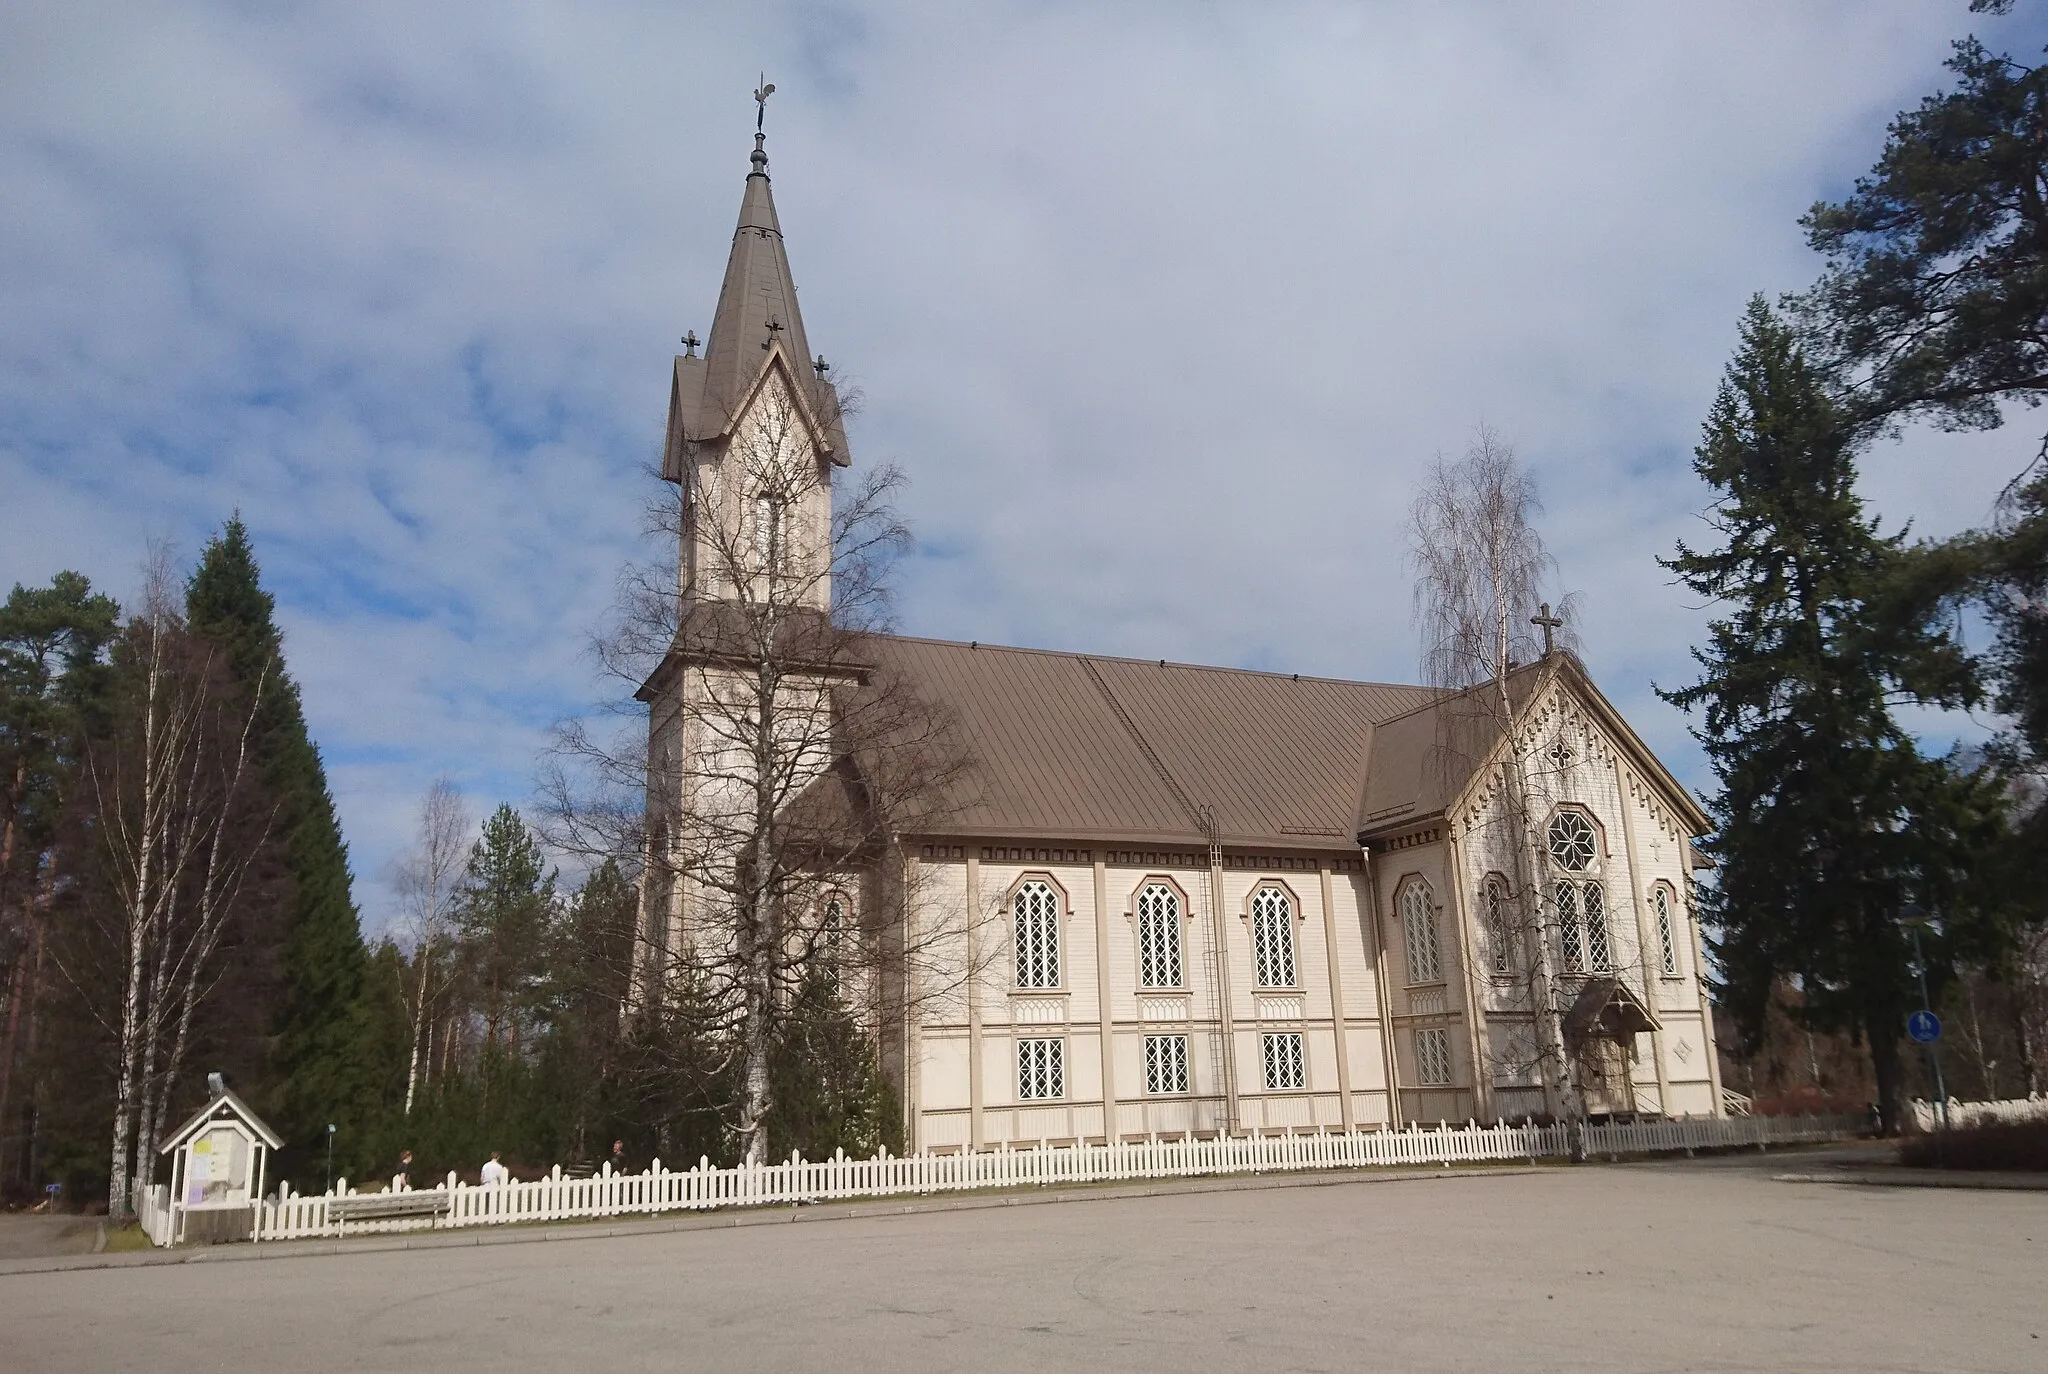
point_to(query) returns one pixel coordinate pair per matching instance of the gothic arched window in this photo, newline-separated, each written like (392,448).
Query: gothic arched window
(1569,934)
(1418,929)
(1273,937)
(1493,900)
(1593,900)
(1036,908)
(1667,935)
(1159,964)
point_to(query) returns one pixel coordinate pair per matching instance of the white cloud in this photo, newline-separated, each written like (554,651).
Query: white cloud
(1161,306)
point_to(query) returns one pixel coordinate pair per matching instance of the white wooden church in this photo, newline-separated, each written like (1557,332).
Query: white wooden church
(1198,900)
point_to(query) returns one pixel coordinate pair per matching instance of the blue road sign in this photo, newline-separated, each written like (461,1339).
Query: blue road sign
(1924,1026)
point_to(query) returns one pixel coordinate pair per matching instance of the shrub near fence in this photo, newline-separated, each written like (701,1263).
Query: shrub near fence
(659,1189)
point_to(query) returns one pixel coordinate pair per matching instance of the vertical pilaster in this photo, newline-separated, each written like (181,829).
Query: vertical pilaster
(1330,944)
(1468,964)
(1378,948)
(976,1132)
(1226,1021)
(1105,1018)
(1644,935)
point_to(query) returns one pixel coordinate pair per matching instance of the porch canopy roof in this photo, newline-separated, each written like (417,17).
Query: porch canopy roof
(1607,1010)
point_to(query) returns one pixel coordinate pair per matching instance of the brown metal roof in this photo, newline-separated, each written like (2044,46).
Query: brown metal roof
(1071,745)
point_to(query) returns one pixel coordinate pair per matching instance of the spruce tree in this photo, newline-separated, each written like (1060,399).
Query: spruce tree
(322,1061)
(1833,827)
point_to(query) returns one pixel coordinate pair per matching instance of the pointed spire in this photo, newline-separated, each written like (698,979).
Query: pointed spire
(757,317)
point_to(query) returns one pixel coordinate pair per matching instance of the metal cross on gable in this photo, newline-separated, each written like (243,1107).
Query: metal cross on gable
(690,344)
(774,327)
(1549,624)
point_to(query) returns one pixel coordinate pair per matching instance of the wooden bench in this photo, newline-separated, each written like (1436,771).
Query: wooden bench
(425,1202)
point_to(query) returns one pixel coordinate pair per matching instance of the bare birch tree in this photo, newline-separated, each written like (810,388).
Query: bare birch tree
(1480,566)
(427,879)
(181,825)
(764,792)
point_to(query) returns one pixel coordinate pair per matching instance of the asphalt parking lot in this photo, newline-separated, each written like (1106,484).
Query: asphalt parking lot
(1650,1267)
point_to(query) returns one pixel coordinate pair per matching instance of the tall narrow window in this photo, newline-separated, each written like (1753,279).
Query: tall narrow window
(1418,927)
(1159,936)
(1594,903)
(1166,1063)
(1037,912)
(768,533)
(1667,938)
(1273,937)
(1568,933)
(1494,901)
(831,936)
(1282,1060)
(1432,1057)
(1041,1069)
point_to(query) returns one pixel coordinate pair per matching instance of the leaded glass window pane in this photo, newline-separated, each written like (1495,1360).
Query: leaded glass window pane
(1568,928)
(1041,1069)
(1037,913)
(1496,905)
(1418,924)
(1159,936)
(1432,1056)
(1166,1063)
(831,935)
(1595,906)
(1273,938)
(1283,1060)
(1667,938)
(1572,844)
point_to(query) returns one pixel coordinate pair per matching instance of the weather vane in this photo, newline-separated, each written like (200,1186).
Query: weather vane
(761,94)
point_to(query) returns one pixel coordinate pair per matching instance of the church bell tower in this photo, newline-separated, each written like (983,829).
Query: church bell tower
(754,429)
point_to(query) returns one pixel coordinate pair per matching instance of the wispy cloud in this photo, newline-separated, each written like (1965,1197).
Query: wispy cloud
(1161,306)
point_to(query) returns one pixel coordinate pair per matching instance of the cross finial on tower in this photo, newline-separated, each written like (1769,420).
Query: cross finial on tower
(690,342)
(821,366)
(1549,623)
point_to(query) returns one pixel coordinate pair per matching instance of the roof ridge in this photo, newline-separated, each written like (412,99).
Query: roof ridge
(985,646)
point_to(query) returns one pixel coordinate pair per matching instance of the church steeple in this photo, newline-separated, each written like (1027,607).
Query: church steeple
(756,326)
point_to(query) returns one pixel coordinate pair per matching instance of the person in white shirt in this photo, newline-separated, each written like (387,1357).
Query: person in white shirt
(494,1172)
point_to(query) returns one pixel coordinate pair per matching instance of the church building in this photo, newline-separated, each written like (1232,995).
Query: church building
(1166,899)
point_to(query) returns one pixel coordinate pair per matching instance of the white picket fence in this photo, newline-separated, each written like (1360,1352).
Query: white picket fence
(153,1209)
(1927,1115)
(660,1189)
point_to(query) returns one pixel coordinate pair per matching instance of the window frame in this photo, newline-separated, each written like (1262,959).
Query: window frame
(1291,947)
(1437,1057)
(1596,836)
(1166,1056)
(1062,908)
(1294,1055)
(1663,912)
(1598,934)
(1050,1067)
(1571,946)
(1420,973)
(1136,912)
(1493,906)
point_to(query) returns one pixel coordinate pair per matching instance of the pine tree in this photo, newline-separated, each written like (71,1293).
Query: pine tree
(830,1093)
(502,919)
(322,1069)
(1833,826)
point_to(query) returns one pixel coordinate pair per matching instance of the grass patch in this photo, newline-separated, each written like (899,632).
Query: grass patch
(125,1238)
(2012,1145)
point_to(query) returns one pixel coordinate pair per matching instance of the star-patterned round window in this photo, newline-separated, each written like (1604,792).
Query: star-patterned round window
(1571,842)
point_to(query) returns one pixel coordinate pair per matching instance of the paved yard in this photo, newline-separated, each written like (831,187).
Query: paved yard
(1658,1267)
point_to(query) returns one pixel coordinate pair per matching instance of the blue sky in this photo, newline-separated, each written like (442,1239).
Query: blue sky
(1162,306)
